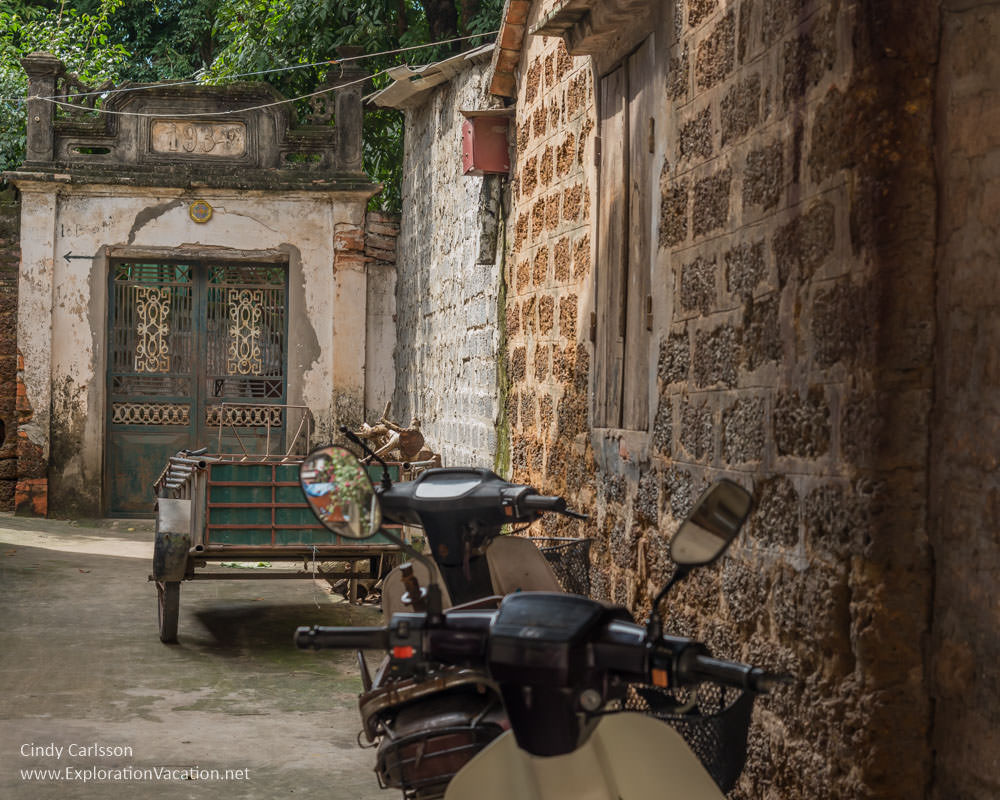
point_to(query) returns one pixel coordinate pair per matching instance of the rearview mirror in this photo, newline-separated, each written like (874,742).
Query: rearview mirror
(712,525)
(340,492)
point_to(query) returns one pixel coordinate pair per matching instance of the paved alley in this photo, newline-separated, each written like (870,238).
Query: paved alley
(94,706)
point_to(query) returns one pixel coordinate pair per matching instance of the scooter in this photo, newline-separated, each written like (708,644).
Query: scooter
(599,707)
(430,719)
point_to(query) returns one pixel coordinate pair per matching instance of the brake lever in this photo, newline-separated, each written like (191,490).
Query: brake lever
(574,514)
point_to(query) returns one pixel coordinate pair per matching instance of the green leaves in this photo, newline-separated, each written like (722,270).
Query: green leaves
(81,40)
(154,40)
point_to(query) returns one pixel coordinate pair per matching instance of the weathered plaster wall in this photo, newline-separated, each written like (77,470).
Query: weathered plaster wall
(965,490)
(446,302)
(62,316)
(10,256)
(793,324)
(34,335)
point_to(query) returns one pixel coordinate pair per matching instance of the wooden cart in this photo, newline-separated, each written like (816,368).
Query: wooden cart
(212,509)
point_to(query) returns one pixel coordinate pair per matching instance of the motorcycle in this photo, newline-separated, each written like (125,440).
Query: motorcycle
(429,719)
(598,706)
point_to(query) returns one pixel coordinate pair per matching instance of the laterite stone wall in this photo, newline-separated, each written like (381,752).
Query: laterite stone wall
(793,298)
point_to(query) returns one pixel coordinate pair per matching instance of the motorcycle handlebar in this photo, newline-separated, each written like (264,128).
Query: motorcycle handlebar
(542,502)
(320,637)
(621,648)
(694,666)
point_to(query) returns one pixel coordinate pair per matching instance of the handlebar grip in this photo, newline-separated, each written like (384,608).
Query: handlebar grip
(320,637)
(543,502)
(730,673)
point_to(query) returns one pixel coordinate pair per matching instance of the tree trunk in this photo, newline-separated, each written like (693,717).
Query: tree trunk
(442,20)
(469,9)
(401,21)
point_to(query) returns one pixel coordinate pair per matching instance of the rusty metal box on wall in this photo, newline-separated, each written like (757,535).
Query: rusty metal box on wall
(485,143)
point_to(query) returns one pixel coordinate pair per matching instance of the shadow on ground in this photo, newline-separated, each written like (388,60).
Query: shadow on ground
(241,628)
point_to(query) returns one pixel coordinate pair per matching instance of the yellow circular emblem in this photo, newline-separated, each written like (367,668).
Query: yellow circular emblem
(200,211)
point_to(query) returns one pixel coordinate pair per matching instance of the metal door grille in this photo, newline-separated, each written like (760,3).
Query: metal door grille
(151,342)
(183,338)
(245,329)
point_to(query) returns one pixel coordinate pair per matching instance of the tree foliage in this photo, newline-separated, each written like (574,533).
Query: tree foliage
(81,39)
(152,40)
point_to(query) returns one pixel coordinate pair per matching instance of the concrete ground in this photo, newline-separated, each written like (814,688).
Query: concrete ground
(81,665)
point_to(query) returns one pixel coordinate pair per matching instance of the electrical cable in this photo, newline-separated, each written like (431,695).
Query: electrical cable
(214,113)
(200,80)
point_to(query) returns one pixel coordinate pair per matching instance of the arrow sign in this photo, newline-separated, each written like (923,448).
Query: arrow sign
(70,255)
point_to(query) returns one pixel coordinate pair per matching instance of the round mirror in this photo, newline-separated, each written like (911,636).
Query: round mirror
(340,493)
(712,525)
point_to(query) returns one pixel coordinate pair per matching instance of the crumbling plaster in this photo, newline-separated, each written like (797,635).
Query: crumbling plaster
(63,303)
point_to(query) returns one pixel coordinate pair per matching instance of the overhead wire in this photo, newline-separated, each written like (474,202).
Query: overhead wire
(190,115)
(200,79)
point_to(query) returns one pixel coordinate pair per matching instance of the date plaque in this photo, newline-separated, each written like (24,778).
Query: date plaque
(181,137)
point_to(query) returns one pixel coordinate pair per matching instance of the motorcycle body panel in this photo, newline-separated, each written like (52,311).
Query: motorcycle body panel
(627,756)
(393,588)
(515,565)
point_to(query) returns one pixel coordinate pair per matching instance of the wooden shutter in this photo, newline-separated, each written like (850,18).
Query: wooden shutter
(623,249)
(612,250)
(635,394)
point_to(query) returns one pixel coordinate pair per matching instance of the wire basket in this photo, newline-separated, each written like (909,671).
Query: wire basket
(715,726)
(570,561)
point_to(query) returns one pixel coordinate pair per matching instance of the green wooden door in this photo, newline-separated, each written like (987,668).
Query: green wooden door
(184,337)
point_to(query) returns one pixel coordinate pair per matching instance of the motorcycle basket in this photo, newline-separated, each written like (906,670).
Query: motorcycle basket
(715,727)
(570,561)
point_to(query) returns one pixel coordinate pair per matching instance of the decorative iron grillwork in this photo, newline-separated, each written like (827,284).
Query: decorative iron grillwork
(151,328)
(245,327)
(154,385)
(244,331)
(152,306)
(183,339)
(248,388)
(244,416)
(150,413)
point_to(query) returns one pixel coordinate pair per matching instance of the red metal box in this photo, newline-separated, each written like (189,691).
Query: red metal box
(485,149)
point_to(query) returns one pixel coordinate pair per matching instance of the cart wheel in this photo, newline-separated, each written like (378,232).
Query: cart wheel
(168,596)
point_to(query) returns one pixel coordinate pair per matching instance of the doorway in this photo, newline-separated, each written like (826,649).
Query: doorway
(183,337)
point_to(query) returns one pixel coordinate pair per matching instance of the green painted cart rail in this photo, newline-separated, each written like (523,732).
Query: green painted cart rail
(213,509)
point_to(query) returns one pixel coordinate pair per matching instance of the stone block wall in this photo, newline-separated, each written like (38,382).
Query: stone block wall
(10,259)
(548,270)
(446,292)
(793,326)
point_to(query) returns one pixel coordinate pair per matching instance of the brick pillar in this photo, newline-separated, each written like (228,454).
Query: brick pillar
(350,282)
(10,257)
(31,495)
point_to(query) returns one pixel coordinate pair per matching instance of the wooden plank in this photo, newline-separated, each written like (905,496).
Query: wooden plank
(635,393)
(611,250)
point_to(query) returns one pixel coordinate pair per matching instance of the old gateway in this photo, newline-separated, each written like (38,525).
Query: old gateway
(182,247)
